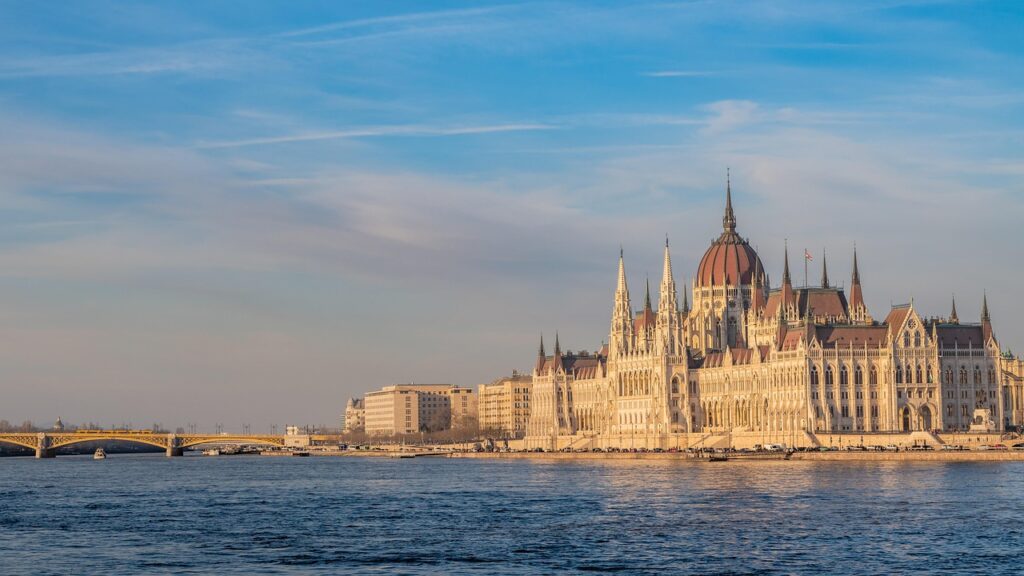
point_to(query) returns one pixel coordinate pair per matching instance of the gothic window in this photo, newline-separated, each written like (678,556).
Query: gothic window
(899,375)
(930,371)
(949,375)
(963,375)
(873,379)
(844,377)
(860,411)
(977,375)
(906,340)
(991,376)
(828,376)
(919,379)
(949,410)
(963,410)
(858,376)
(917,340)
(814,375)
(675,385)
(874,411)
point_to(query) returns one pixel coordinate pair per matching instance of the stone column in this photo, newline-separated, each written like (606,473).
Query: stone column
(43,449)
(173,448)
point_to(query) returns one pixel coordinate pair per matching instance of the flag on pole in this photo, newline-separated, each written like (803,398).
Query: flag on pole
(807,255)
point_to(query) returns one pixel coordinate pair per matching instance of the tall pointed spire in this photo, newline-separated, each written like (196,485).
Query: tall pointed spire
(622,313)
(729,220)
(686,298)
(856,272)
(953,315)
(541,356)
(984,308)
(558,348)
(647,296)
(757,301)
(785,271)
(857,308)
(824,270)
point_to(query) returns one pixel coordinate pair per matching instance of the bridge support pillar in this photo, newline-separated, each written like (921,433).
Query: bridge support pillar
(173,448)
(43,449)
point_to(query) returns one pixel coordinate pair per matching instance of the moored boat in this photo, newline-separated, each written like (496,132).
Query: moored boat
(99,454)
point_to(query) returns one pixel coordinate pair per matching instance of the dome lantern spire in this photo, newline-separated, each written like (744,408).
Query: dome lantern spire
(729,220)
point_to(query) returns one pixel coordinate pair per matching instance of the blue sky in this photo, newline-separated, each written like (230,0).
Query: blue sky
(273,206)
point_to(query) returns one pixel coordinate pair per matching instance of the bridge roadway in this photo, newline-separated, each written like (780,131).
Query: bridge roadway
(46,443)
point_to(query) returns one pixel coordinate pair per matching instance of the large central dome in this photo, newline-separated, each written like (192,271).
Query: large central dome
(730,260)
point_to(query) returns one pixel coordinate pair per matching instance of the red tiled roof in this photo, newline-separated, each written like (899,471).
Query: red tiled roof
(960,336)
(729,260)
(896,317)
(830,302)
(844,336)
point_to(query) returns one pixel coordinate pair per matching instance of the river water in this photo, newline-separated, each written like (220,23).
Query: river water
(142,514)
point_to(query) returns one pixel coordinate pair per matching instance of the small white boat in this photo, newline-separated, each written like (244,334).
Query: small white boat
(99,454)
(211,452)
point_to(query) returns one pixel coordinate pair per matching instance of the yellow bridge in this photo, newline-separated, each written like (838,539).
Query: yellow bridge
(46,443)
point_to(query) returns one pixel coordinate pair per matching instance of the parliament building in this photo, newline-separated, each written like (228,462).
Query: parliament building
(743,359)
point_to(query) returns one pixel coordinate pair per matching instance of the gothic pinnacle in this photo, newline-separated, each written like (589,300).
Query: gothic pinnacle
(729,220)
(824,269)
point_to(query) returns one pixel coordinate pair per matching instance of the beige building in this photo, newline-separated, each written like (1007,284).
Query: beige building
(780,364)
(504,405)
(413,408)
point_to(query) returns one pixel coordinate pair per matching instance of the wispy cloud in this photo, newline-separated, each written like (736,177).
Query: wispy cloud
(379,131)
(194,57)
(681,73)
(398,19)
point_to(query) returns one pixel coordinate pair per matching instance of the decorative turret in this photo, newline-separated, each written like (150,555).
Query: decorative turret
(788,298)
(953,318)
(858,310)
(622,315)
(986,320)
(541,356)
(757,300)
(669,326)
(824,270)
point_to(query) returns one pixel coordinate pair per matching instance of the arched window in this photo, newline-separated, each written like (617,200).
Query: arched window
(828,376)
(899,375)
(919,379)
(977,374)
(814,375)
(963,375)
(917,340)
(873,378)
(991,376)
(906,340)
(844,377)
(909,374)
(675,385)
(858,376)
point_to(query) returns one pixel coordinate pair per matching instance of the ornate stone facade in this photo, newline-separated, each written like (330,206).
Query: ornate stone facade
(785,363)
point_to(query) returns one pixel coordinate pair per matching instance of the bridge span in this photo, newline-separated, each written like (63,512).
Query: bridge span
(46,443)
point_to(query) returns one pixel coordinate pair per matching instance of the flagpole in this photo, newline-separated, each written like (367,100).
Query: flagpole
(805,267)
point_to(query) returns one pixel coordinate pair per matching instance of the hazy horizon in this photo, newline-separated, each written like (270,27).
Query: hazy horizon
(241,212)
